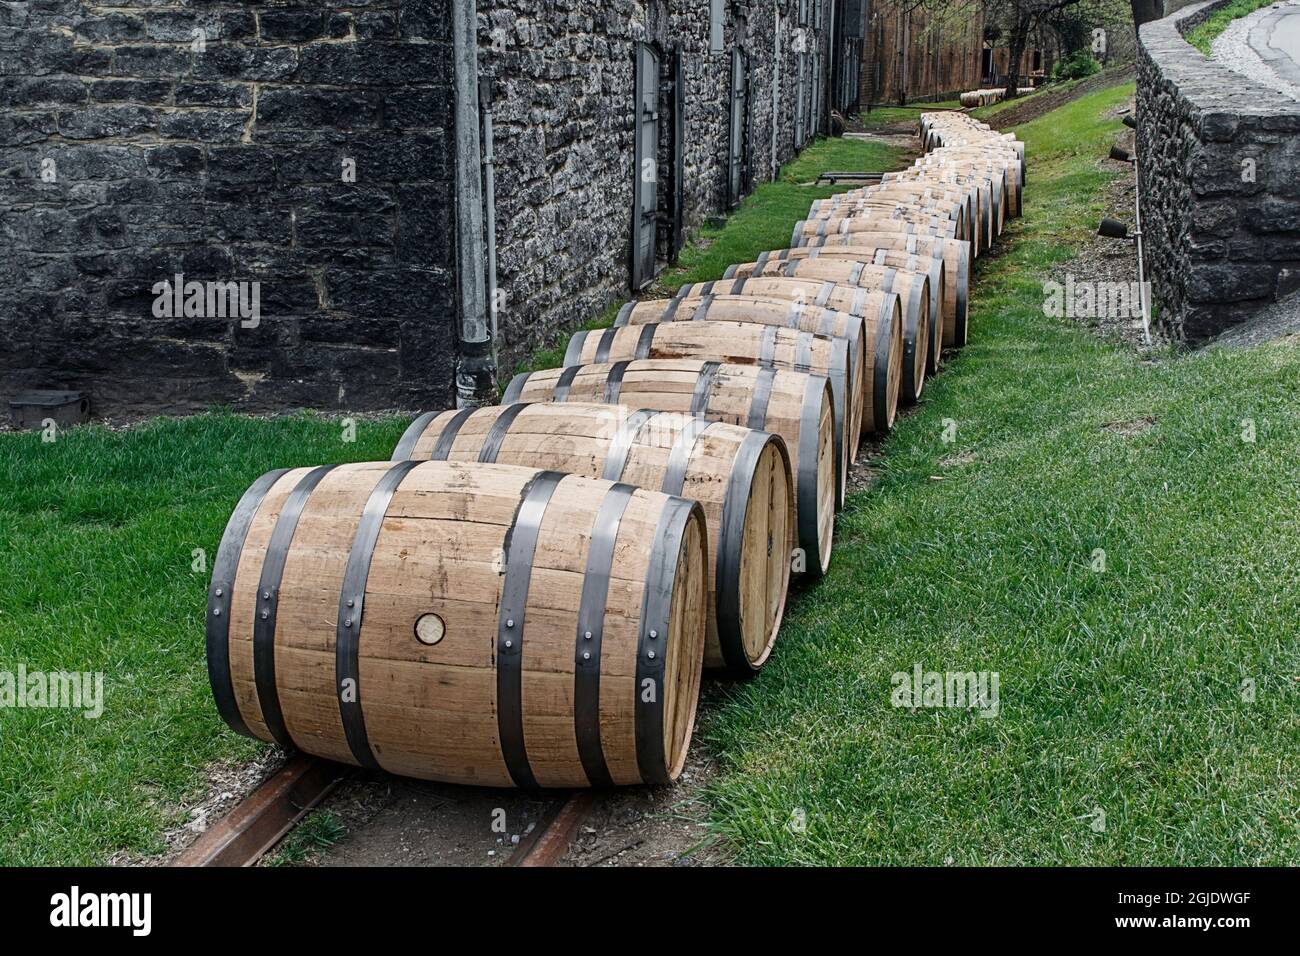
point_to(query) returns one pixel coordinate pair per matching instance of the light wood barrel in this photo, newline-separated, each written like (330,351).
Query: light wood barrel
(878,206)
(430,619)
(912,289)
(795,405)
(899,220)
(924,194)
(743,343)
(936,273)
(1004,168)
(998,155)
(862,247)
(977,195)
(860,315)
(991,187)
(740,476)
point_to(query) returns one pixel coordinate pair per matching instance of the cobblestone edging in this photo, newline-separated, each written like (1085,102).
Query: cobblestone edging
(1219,158)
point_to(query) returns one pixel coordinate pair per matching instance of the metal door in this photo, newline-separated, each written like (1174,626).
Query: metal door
(645,188)
(738,153)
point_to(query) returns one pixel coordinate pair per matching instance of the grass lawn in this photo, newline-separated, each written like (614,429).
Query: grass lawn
(97,573)
(1121,691)
(1203,36)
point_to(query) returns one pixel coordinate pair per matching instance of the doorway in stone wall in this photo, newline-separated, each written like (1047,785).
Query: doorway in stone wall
(645,167)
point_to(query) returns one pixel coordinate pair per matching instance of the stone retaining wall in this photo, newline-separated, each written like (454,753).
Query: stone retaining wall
(1219,157)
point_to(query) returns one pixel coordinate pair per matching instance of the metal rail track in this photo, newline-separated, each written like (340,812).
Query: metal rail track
(255,825)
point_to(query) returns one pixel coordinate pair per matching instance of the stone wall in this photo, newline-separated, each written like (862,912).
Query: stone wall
(563,116)
(145,138)
(1219,158)
(215,139)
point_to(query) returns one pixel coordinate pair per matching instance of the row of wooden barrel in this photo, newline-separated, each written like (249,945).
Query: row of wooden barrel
(988,97)
(528,593)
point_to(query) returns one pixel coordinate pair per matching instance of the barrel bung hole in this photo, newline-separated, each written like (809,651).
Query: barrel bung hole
(429,629)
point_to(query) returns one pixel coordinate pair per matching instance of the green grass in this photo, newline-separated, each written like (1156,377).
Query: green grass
(1119,690)
(880,116)
(764,220)
(314,835)
(97,573)
(1203,36)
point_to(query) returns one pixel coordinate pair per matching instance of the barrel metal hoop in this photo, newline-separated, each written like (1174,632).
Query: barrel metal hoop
(268,600)
(411,437)
(762,259)
(564,383)
(520,548)
(671,311)
(731,534)
(702,309)
(614,382)
(803,351)
(442,448)
(573,351)
(809,433)
(731,271)
(652,652)
(963,280)
(707,287)
(829,322)
(703,386)
(880,381)
(605,343)
(624,314)
(621,446)
(352,599)
(790,269)
(738,287)
(859,301)
(591,625)
(224,568)
(679,458)
(767,346)
(646,340)
(762,396)
(855,275)
(824,294)
(515,388)
(497,433)
(794,317)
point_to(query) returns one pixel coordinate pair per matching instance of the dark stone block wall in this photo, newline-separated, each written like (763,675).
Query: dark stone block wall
(227,164)
(1220,176)
(563,112)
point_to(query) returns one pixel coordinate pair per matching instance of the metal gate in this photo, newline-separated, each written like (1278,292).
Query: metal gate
(738,162)
(645,187)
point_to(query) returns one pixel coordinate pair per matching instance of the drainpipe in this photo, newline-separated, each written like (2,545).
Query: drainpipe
(475,369)
(776,81)
(490,225)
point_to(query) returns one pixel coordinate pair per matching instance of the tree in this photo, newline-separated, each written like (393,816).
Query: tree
(1020,18)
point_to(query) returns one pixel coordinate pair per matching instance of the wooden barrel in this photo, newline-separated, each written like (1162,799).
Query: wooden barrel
(925,194)
(912,289)
(745,343)
(990,186)
(885,266)
(998,155)
(854,313)
(739,475)
(862,247)
(1004,168)
(899,220)
(431,619)
(876,206)
(795,405)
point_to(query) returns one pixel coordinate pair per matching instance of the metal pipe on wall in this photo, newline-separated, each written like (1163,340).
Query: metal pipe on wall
(776,82)
(475,369)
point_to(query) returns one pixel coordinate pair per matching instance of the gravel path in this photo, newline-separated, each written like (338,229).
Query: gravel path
(1233,49)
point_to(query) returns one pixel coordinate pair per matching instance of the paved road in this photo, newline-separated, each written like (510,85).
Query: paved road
(1275,38)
